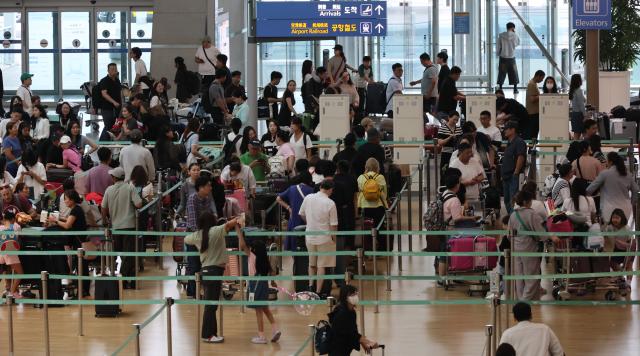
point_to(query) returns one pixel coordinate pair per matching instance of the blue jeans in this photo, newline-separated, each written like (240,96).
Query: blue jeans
(510,187)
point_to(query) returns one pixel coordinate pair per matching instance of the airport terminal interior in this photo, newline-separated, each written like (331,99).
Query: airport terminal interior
(384,177)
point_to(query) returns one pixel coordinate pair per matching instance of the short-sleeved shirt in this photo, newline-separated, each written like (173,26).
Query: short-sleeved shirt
(444,132)
(207,68)
(39,170)
(448,91)
(16,150)
(293,197)
(394,85)
(113,88)
(320,213)
(73,159)
(517,111)
(191,139)
(516,147)
(25,94)
(243,180)
(271,91)
(119,199)
(80,223)
(492,132)
(285,150)
(452,208)
(21,203)
(215,255)
(259,171)
(532,90)
(141,71)
(442,75)
(99,179)
(429,76)
(300,146)
(469,171)
(216,92)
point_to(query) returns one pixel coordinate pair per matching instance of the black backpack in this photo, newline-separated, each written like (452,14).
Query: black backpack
(193,82)
(96,97)
(322,337)
(230,148)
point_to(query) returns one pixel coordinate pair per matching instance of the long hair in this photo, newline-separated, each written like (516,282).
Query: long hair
(244,144)
(554,89)
(574,151)
(179,61)
(617,161)
(576,82)
(205,222)
(263,267)
(578,189)
(307,68)
(345,291)
(192,126)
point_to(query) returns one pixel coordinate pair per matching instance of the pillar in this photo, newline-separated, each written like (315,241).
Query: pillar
(592,69)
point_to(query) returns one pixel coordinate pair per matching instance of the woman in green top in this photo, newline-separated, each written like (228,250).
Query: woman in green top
(213,258)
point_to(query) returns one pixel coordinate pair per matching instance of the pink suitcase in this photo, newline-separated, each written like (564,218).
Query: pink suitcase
(472,244)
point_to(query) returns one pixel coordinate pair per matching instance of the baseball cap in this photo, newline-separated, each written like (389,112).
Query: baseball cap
(511,125)
(65,139)
(338,47)
(117,172)
(255,143)
(25,76)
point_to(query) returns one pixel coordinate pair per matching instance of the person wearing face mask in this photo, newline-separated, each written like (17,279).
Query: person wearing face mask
(344,329)
(550,86)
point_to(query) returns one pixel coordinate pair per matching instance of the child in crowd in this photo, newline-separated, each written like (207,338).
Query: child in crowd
(12,261)
(259,290)
(490,130)
(622,243)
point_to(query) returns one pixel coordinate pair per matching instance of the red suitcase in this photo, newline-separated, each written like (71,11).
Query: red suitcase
(239,195)
(472,244)
(485,244)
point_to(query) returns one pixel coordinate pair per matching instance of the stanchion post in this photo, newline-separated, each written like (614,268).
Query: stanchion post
(221,318)
(44,286)
(420,194)
(435,161)
(136,327)
(374,235)
(495,304)
(507,284)
(347,278)
(331,302)
(10,323)
(489,342)
(360,290)
(136,239)
(409,211)
(80,290)
(428,169)
(198,316)
(169,303)
(399,227)
(242,284)
(389,248)
(312,344)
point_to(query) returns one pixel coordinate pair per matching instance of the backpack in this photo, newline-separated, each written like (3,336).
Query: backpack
(96,97)
(549,182)
(433,218)
(370,189)
(263,109)
(193,82)
(229,149)
(322,337)
(277,165)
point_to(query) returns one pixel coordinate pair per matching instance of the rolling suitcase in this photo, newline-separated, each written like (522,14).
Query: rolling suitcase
(623,130)
(301,266)
(178,241)
(107,289)
(461,244)
(485,244)
(376,98)
(603,125)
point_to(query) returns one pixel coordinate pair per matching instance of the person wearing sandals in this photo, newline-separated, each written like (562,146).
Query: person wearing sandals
(257,291)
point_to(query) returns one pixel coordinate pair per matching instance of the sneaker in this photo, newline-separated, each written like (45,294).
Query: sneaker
(258,340)
(276,336)
(213,339)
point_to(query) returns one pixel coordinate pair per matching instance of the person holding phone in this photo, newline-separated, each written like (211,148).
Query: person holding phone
(256,160)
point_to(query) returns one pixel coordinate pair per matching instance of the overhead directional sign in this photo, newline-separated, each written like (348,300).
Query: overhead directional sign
(591,14)
(321,19)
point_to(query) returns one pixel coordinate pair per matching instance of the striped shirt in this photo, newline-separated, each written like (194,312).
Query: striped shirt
(444,132)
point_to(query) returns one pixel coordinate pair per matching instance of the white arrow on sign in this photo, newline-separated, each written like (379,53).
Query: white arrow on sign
(379,27)
(379,9)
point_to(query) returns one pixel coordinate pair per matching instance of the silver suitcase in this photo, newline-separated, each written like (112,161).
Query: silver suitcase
(620,129)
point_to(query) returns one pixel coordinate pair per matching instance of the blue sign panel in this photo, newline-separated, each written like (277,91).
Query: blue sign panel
(461,23)
(321,28)
(285,10)
(591,14)
(321,19)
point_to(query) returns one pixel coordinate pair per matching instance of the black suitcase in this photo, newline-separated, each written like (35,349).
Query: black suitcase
(263,202)
(603,126)
(376,98)
(210,132)
(58,175)
(107,289)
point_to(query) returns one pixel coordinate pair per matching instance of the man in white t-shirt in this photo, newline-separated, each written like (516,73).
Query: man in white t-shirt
(394,87)
(300,141)
(206,59)
(531,339)
(472,171)
(140,68)
(240,175)
(320,214)
(24,92)
(491,131)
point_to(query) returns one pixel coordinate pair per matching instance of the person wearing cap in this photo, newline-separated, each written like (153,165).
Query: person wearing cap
(71,158)
(118,212)
(337,64)
(513,162)
(24,92)
(206,59)
(136,155)
(256,160)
